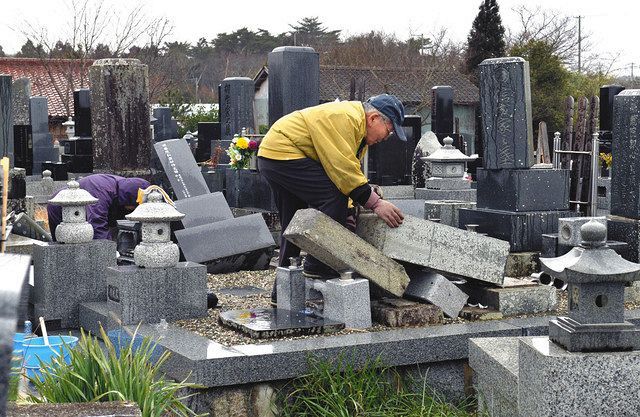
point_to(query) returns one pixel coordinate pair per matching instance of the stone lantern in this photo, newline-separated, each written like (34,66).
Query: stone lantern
(448,161)
(596,276)
(70,128)
(156,250)
(74,227)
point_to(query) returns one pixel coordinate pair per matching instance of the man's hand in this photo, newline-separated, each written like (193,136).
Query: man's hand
(389,213)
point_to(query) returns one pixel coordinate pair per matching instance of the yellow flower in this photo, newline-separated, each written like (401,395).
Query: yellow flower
(242,143)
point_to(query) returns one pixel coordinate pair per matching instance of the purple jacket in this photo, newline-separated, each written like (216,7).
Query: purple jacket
(113,194)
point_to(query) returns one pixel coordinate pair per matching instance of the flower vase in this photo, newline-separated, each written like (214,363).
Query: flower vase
(253,162)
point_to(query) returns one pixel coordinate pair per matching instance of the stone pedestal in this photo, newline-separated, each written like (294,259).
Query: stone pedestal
(120,116)
(291,288)
(236,105)
(66,275)
(149,294)
(294,80)
(346,301)
(523,230)
(523,189)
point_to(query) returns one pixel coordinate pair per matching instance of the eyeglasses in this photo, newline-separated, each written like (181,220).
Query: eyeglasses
(386,126)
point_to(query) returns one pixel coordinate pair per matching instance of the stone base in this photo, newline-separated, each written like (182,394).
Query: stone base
(411,207)
(347,301)
(523,189)
(522,264)
(445,210)
(66,275)
(576,337)
(523,230)
(248,188)
(516,297)
(460,195)
(150,294)
(396,312)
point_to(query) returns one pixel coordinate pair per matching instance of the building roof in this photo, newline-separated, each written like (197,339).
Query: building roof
(54,79)
(412,86)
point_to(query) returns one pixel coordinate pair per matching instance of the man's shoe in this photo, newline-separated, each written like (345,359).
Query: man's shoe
(320,273)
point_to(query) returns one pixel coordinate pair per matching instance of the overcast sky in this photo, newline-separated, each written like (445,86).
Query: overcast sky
(612,23)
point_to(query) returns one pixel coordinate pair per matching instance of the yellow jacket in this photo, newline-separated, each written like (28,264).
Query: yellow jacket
(330,133)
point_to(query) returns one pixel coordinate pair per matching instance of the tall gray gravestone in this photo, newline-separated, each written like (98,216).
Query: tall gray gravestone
(6,118)
(22,135)
(624,222)
(43,149)
(120,116)
(505,105)
(294,80)
(15,271)
(21,91)
(514,203)
(236,105)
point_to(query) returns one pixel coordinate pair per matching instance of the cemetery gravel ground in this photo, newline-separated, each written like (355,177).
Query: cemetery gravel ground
(209,327)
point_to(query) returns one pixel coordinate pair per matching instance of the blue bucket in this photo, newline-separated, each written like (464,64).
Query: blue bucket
(35,350)
(18,339)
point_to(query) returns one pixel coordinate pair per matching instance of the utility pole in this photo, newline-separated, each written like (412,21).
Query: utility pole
(579,42)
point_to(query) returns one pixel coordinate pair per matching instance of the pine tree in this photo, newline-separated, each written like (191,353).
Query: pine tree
(486,39)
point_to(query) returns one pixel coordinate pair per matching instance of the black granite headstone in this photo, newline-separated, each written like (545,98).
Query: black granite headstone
(207,133)
(607,94)
(247,188)
(236,105)
(43,149)
(203,209)
(82,112)
(294,80)
(505,105)
(442,110)
(625,171)
(181,168)
(390,161)
(164,127)
(23,147)
(59,170)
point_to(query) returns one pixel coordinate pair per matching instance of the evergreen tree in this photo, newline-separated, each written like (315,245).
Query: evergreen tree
(310,32)
(29,50)
(486,39)
(2,52)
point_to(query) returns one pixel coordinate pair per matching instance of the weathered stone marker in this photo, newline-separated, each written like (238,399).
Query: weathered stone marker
(432,245)
(330,242)
(236,105)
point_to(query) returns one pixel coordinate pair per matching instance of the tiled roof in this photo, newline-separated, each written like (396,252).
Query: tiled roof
(54,79)
(411,86)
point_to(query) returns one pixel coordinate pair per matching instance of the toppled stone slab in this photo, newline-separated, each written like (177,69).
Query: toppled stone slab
(331,243)
(437,290)
(397,192)
(396,312)
(439,247)
(410,206)
(516,297)
(108,409)
(262,323)
(445,210)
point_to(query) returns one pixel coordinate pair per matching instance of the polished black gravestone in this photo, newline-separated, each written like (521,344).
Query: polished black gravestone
(78,151)
(607,95)
(263,323)
(505,106)
(442,111)
(523,189)
(248,188)
(59,170)
(43,149)
(294,80)
(181,168)
(625,172)
(82,112)
(164,127)
(236,105)
(390,162)
(207,133)
(23,147)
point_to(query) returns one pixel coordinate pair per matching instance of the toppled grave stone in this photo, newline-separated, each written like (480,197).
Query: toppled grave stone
(397,312)
(436,246)
(327,240)
(438,290)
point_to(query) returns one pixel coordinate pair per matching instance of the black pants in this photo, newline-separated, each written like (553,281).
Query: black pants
(299,184)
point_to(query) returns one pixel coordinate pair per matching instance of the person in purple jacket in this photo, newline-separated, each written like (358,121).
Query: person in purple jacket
(116,197)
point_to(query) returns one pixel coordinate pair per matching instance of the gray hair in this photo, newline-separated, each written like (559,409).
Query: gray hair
(368,108)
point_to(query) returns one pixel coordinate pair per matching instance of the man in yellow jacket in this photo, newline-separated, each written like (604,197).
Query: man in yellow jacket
(312,158)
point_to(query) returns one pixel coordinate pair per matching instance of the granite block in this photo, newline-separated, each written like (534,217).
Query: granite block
(554,382)
(241,238)
(447,379)
(625,150)
(523,189)
(437,290)
(462,195)
(331,243)
(203,209)
(625,230)
(66,275)
(431,245)
(523,230)
(181,168)
(569,229)
(347,301)
(445,210)
(290,288)
(96,314)
(515,298)
(397,192)
(522,264)
(147,295)
(247,188)
(397,312)
(436,183)
(21,91)
(410,206)
(505,108)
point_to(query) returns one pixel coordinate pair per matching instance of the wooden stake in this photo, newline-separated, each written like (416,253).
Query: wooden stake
(4,164)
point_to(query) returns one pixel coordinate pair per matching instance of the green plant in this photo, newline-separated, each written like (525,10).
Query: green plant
(14,383)
(606,158)
(340,389)
(129,373)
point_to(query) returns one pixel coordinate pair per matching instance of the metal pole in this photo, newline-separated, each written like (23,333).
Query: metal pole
(556,148)
(595,171)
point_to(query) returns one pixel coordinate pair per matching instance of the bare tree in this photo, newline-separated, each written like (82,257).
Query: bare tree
(93,25)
